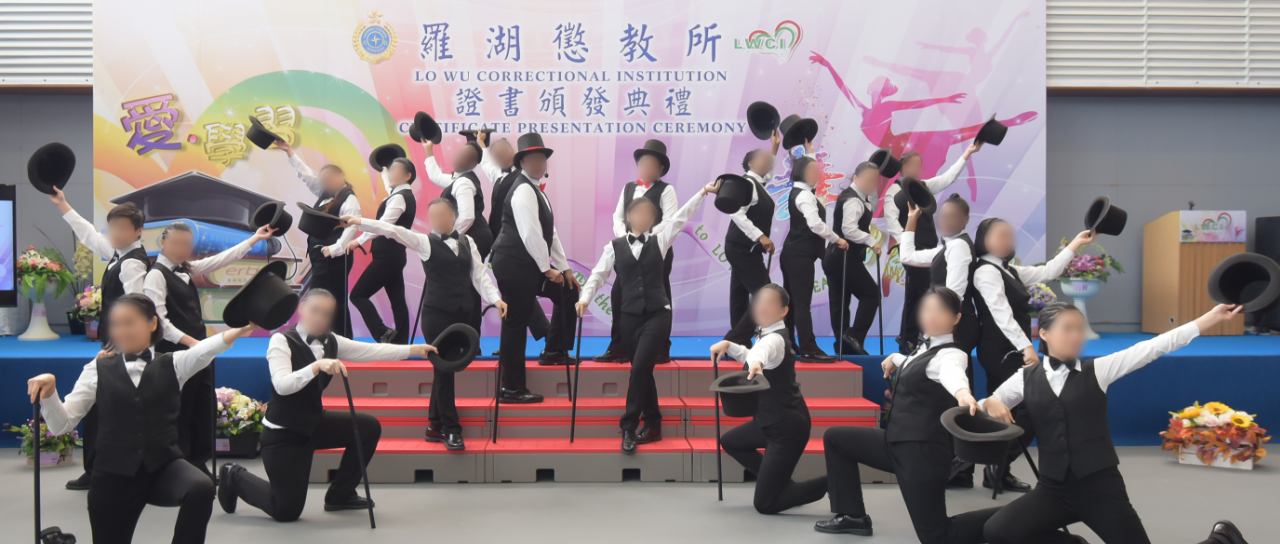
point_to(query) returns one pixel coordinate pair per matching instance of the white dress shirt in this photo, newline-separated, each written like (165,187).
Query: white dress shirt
(947,367)
(350,206)
(158,290)
(958,258)
(853,210)
(492,169)
(395,207)
(669,203)
(936,185)
(464,193)
(1108,369)
(63,415)
(524,208)
(989,281)
(665,232)
(739,217)
(288,381)
(422,244)
(132,271)
(768,352)
(808,204)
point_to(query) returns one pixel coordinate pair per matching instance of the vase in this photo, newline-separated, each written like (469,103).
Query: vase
(1187,456)
(1035,328)
(75,324)
(91,328)
(52,459)
(38,328)
(240,445)
(1080,291)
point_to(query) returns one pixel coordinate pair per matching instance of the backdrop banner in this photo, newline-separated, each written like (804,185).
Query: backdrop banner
(175,84)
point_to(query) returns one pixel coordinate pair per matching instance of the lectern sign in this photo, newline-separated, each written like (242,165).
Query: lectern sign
(1212,225)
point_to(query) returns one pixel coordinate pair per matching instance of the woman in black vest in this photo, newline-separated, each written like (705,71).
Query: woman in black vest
(949,263)
(854,208)
(643,306)
(453,268)
(1004,313)
(127,265)
(386,271)
(913,445)
(1066,401)
(781,426)
(462,188)
(302,360)
(803,246)
(747,239)
(137,392)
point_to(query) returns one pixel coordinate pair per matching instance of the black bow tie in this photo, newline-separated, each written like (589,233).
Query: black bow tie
(633,239)
(310,339)
(144,356)
(453,235)
(1056,364)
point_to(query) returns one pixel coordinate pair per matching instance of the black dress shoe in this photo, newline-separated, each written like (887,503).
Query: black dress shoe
(226,487)
(497,352)
(1010,482)
(81,483)
(962,480)
(648,434)
(663,359)
(519,396)
(610,356)
(453,442)
(387,337)
(356,502)
(434,435)
(629,442)
(815,355)
(851,346)
(555,358)
(1227,533)
(842,524)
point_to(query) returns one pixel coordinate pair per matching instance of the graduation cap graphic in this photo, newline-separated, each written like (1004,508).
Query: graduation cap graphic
(198,196)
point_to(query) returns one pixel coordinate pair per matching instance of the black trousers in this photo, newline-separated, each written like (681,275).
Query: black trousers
(286,456)
(521,284)
(616,337)
(917,282)
(196,413)
(923,469)
(797,279)
(385,273)
(991,355)
(858,284)
(648,336)
(116,502)
(747,275)
(443,410)
(783,444)
(330,274)
(1100,500)
(89,435)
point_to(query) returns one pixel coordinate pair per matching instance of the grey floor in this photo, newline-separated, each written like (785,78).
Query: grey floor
(1178,504)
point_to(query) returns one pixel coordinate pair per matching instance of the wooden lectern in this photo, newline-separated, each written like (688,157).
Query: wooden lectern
(1175,276)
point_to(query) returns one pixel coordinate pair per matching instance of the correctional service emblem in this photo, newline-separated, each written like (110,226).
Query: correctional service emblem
(374,41)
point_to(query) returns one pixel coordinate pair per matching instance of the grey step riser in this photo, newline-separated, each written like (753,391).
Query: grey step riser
(812,465)
(597,467)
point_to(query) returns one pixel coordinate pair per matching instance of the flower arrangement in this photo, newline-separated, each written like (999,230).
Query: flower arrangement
(238,414)
(82,264)
(89,302)
(1041,296)
(63,444)
(38,268)
(1216,431)
(1089,267)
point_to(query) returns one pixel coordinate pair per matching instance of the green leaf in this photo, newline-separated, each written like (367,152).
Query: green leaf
(40,290)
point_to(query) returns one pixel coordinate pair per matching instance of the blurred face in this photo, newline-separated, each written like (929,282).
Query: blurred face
(761,162)
(399,174)
(176,246)
(121,234)
(952,219)
(315,314)
(130,330)
(503,153)
(1000,241)
(868,181)
(535,164)
(441,217)
(811,172)
(332,180)
(1066,336)
(936,319)
(649,168)
(642,216)
(767,308)
(911,167)
(465,158)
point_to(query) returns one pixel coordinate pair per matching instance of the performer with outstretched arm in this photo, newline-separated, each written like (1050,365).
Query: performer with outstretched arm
(386,271)
(747,239)
(1066,403)
(138,393)
(302,361)
(803,246)
(854,208)
(643,306)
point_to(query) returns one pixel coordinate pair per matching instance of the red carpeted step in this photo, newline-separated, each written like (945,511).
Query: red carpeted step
(666,404)
(416,446)
(582,445)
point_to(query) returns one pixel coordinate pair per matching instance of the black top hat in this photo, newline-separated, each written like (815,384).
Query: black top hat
(383,155)
(529,143)
(427,127)
(456,347)
(470,135)
(889,165)
(796,131)
(740,396)
(992,132)
(1248,279)
(273,214)
(916,192)
(317,223)
(266,300)
(51,166)
(734,193)
(763,118)
(413,133)
(1105,218)
(259,134)
(655,148)
(979,439)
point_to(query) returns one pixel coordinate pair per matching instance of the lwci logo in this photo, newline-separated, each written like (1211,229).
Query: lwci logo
(782,42)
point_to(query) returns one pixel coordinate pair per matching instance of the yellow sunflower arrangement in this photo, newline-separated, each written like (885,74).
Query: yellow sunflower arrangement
(1217,408)
(1215,432)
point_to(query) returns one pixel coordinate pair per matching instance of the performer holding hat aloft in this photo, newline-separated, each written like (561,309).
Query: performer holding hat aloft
(854,208)
(454,269)
(1004,314)
(643,306)
(803,246)
(1066,403)
(386,272)
(781,423)
(652,164)
(529,262)
(949,263)
(747,239)
(138,393)
(302,361)
(914,445)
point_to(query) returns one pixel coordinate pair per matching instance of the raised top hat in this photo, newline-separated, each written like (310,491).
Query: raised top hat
(916,192)
(383,155)
(735,192)
(763,119)
(1104,217)
(51,166)
(316,223)
(740,396)
(413,133)
(657,149)
(884,160)
(1248,279)
(265,300)
(979,439)
(259,135)
(273,214)
(470,135)
(530,143)
(992,132)
(797,130)
(427,127)
(456,347)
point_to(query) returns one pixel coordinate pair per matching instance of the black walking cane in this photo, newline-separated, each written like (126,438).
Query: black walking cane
(844,305)
(364,471)
(52,535)
(715,373)
(880,306)
(213,454)
(573,385)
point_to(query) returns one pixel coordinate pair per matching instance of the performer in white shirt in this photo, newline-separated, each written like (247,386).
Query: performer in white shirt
(137,392)
(804,245)
(747,239)
(1066,403)
(854,208)
(463,188)
(386,271)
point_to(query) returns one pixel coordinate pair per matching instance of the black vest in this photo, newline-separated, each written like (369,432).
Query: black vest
(1071,428)
(448,276)
(137,425)
(926,232)
(509,242)
(782,401)
(333,207)
(113,288)
(800,238)
(479,231)
(386,247)
(653,193)
(864,222)
(642,280)
(500,189)
(302,411)
(760,215)
(938,269)
(1019,301)
(918,403)
(183,306)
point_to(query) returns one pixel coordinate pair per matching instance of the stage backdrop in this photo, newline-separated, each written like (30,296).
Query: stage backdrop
(176,82)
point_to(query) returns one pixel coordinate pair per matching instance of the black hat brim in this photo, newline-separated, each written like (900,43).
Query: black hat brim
(427,127)
(383,155)
(414,134)
(979,438)
(265,300)
(884,160)
(763,119)
(259,135)
(471,135)
(273,214)
(456,347)
(1105,218)
(1248,279)
(740,397)
(735,192)
(662,158)
(992,132)
(546,151)
(51,166)
(919,194)
(798,133)
(317,223)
